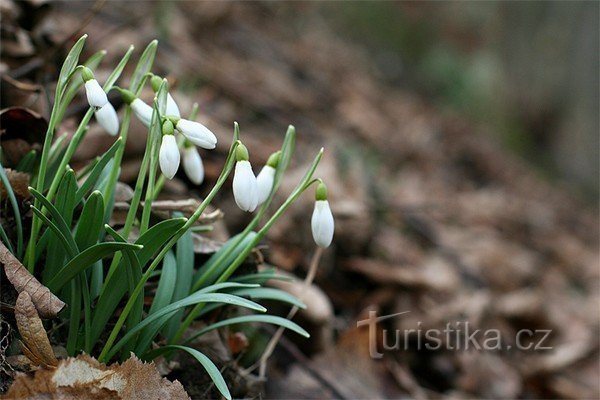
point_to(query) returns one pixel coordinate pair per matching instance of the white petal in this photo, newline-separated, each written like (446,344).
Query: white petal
(197,133)
(142,111)
(95,94)
(192,165)
(264,182)
(168,156)
(244,186)
(172,108)
(107,118)
(322,224)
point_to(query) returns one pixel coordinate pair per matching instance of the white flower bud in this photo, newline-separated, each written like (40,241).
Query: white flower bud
(172,108)
(142,111)
(197,133)
(95,94)
(168,156)
(107,118)
(244,186)
(264,182)
(192,165)
(322,224)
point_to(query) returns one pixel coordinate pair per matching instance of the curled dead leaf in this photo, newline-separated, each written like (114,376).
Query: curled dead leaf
(35,343)
(46,303)
(85,378)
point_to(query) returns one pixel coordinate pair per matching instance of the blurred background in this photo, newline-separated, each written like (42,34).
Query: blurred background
(462,161)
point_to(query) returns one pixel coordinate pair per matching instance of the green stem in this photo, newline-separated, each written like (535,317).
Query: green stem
(194,217)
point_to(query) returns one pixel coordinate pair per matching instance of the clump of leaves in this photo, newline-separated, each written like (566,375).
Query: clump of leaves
(99,271)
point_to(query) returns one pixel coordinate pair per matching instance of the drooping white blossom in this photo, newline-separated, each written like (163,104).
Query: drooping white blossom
(172,108)
(244,186)
(168,156)
(142,111)
(264,182)
(192,165)
(322,224)
(95,94)
(108,119)
(197,133)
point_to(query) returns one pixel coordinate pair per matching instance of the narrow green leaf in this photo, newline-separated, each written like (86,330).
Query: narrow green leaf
(68,67)
(208,274)
(143,66)
(83,260)
(116,73)
(17,213)
(269,294)
(183,284)
(190,300)
(270,319)
(56,216)
(162,298)
(27,163)
(260,277)
(90,222)
(97,170)
(5,239)
(208,365)
(156,237)
(65,204)
(70,248)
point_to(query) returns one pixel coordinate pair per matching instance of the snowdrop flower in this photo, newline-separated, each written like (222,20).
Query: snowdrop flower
(168,156)
(322,220)
(172,108)
(266,177)
(244,181)
(192,164)
(107,118)
(197,133)
(142,111)
(94,92)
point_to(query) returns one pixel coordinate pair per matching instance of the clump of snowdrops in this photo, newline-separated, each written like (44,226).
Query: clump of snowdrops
(100,271)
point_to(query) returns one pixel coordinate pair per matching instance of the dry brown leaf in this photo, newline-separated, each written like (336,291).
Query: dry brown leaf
(85,378)
(46,303)
(35,343)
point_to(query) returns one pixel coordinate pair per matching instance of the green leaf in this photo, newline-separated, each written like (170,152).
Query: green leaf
(112,78)
(84,259)
(5,239)
(185,272)
(190,300)
(70,248)
(155,237)
(162,298)
(270,319)
(90,222)
(17,213)
(269,294)
(208,365)
(260,277)
(166,284)
(76,82)
(65,204)
(56,216)
(27,163)
(96,171)
(68,67)
(208,274)
(143,66)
